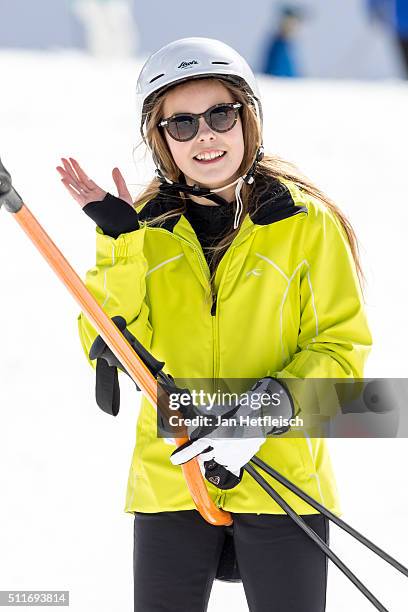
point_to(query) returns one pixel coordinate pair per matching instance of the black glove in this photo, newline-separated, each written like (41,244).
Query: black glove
(113,215)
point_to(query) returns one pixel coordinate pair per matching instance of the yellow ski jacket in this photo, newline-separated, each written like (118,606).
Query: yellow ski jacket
(289,305)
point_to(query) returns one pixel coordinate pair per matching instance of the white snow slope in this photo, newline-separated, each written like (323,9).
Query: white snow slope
(64,463)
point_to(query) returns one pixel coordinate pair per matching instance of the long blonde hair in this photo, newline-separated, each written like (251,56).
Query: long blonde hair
(271,166)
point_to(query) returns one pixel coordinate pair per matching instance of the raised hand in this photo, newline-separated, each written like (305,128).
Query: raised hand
(83,189)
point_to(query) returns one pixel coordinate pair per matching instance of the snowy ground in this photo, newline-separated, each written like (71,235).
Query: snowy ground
(63,462)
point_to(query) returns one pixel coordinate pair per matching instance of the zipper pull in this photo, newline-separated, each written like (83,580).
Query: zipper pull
(214,306)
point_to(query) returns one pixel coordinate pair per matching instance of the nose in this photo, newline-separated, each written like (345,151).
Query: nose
(204,131)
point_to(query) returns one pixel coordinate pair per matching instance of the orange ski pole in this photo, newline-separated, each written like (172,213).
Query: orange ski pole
(133,364)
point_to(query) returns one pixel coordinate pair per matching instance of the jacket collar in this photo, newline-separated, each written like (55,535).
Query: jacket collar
(275,203)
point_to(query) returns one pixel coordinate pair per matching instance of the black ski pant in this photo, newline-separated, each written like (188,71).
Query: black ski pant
(176,556)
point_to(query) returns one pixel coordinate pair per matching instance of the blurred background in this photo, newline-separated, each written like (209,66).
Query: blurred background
(332,76)
(359,39)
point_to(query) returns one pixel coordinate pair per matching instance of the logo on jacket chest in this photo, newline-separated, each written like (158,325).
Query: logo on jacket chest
(255,272)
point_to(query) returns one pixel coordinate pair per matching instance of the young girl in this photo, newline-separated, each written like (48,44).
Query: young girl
(231,264)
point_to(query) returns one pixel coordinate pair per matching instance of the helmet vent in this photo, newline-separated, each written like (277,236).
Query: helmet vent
(156,77)
(224,63)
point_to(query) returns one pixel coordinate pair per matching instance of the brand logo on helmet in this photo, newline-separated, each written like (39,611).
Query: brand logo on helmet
(187,64)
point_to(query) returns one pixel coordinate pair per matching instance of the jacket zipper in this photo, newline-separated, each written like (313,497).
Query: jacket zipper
(214,335)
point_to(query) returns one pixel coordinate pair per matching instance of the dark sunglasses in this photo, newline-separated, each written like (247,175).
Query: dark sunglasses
(220,118)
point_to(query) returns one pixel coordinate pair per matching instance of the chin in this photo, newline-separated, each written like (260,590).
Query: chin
(213,181)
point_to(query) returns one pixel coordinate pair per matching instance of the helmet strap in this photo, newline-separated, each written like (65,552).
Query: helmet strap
(168,186)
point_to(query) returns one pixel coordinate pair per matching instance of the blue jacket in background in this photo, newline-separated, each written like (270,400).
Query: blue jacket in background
(280,59)
(401,16)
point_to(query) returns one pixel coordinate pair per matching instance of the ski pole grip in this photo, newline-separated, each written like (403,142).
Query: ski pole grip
(8,195)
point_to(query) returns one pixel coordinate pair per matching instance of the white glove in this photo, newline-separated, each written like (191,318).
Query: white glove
(231,454)
(223,457)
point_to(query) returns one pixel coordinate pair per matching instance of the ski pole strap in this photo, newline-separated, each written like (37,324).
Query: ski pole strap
(107,390)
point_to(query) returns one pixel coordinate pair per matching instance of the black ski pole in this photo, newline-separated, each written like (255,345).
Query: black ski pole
(313,535)
(338,521)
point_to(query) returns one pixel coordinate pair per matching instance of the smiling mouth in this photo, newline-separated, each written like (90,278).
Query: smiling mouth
(210,161)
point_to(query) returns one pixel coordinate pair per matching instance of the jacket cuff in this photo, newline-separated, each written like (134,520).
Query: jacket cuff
(126,245)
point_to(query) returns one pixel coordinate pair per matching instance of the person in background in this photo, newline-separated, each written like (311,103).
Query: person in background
(394,14)
(280,57)
(110,28)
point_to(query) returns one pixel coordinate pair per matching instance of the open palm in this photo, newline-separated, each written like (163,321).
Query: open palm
(83,189)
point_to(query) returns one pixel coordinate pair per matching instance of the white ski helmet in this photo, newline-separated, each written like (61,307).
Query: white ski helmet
(189,58)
